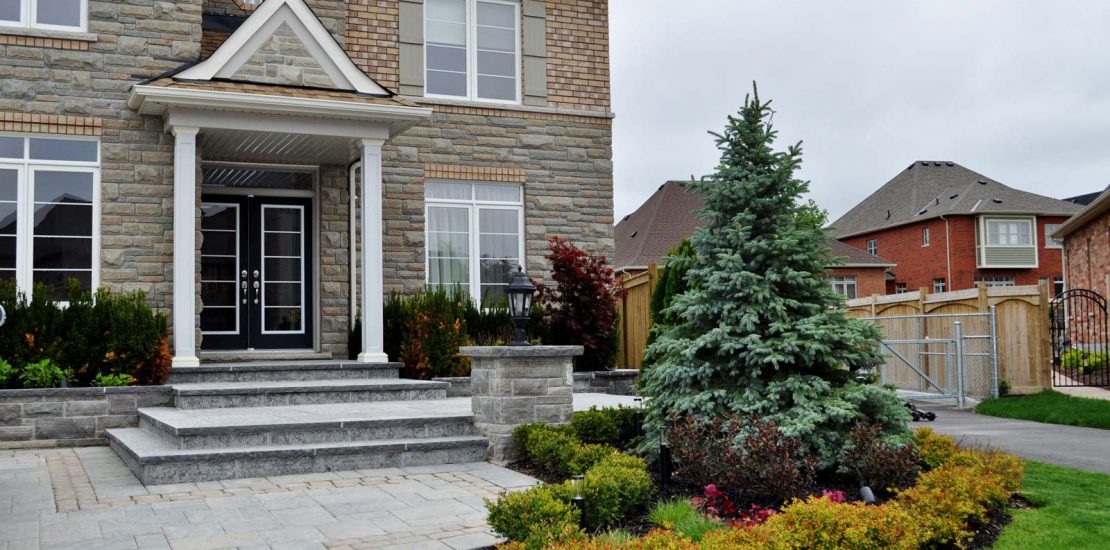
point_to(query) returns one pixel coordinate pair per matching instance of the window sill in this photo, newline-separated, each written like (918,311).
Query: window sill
(509,107)
(49,34)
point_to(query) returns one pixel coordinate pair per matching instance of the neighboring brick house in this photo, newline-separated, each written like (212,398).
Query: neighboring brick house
(1086,239)
(949,228)
(472,130)
(670,215)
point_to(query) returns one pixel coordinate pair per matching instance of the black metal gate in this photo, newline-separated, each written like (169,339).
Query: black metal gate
(1080,352)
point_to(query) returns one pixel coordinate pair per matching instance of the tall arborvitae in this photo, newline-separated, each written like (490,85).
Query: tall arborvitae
(759,331)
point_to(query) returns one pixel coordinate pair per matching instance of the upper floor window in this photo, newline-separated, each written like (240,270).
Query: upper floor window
(925,236)
(472,49)
(1049,240)
(66,15)
(873,247)
(48,212)
(475,236)
(1009,232)
(844,285)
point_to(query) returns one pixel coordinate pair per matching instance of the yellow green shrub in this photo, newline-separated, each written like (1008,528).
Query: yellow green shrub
(935,449)
(821,524)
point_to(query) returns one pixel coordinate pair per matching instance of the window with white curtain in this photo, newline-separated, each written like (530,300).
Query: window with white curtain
(472,49)
(68,15)
(49,191)
(475,236)
(1009,232)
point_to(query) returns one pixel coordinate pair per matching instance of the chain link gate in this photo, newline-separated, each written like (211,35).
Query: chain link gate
(941,356)
(1078,324)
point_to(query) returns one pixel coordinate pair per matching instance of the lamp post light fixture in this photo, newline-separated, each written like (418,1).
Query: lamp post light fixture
(520,294)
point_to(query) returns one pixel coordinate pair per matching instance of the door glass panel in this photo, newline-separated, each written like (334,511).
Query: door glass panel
(220,282)
(283,247)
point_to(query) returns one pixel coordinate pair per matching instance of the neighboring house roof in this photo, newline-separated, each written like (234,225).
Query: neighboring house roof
(670,215)
(931,189)
(1097,207)
(1087,198)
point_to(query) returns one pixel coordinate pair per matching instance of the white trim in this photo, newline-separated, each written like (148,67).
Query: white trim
(303,261)
(251,35)
(373,334)
(28,10)
(983,241)
(184,246)
(471,48)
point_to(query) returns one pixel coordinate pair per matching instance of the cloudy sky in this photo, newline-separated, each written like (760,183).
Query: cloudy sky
(1018,90)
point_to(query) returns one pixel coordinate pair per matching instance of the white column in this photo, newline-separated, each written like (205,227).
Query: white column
(184,247)
(373,340)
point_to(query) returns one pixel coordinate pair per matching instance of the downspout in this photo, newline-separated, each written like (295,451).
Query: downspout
(352,195)
(948,253)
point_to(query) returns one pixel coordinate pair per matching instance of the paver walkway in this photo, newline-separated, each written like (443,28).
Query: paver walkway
(87,499)
(1083,448)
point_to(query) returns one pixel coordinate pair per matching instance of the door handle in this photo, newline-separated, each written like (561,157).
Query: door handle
(244,291)
(256,285)
(255,275)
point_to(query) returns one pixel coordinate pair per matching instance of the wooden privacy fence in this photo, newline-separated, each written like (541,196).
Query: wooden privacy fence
(1024,348)
(634,317)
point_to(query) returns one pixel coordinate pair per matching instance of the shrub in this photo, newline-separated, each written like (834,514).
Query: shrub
(683,518)
(582,304)
(751,456)
(1083,360)
(556,450)
(534,517)
(8,374)
(43,374)
(613,426)
(820,523)
(933,448)
(614,488)
(112,380)
(587,456)
(671,283)
(881,465)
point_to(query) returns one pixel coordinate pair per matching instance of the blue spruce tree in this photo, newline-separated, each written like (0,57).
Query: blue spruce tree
(759,332)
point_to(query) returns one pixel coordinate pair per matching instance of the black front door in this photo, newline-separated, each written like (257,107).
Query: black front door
(256,273)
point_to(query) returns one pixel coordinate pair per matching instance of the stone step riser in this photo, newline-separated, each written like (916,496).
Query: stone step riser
(280,435)
(210,468)
(280,399)
(282,375)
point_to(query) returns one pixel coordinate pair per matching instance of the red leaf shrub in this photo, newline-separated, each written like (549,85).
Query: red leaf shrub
(875,462)
(582,305)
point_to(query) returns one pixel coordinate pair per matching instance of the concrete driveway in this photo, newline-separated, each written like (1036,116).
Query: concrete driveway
(1083,448)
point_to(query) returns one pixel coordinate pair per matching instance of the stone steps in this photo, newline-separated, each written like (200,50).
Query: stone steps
(155,461)
(271,371)
(219,395)
(307,424)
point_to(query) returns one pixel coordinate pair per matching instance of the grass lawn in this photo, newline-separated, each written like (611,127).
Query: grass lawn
(1051,407)
(1073,510)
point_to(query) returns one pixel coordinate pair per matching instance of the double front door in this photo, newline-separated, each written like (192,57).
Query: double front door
(256,273)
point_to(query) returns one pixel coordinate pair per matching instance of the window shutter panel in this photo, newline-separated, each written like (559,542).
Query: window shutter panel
(534,53)
(411,38)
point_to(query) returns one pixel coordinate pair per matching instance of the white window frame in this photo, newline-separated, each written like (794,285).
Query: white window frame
(28,11)
(997,281)
(25,206)
(1028,222)
(924,236)
(302,257)
(472,55)
(939,285)
(841,283)
(900,288)
(474,238)
(873,247)
(1049,241)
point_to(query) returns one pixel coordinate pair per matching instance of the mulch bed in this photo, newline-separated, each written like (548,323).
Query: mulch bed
(639,525)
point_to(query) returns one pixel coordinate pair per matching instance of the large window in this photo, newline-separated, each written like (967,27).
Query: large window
(474,236)
(1009,232)
(472,49)
(49,191)
(844,285)
(68,15)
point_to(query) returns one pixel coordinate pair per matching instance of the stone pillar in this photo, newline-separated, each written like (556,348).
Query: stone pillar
(184,247)
(518,385)
(373,333)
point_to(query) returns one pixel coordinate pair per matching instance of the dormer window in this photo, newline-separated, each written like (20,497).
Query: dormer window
(63,15)
(472,50)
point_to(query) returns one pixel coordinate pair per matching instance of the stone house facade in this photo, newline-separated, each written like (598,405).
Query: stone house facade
(329,152)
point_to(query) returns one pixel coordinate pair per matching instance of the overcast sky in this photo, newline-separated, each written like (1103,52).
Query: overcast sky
(1017,90)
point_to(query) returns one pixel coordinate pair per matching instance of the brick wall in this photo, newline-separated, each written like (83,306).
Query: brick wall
(372,39)
(917,265)
(578,54)
(1088,253)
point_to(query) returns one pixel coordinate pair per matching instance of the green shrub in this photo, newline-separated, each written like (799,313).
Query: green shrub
(534,516)
(613,489)
(613,426)
(8,374)
(43,374)
(553,452)
(935,449)
(587,456)
(103,380)
(1083,360)
(683,518)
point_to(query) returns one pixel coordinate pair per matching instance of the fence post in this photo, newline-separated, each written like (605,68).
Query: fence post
(959,331)
(994,351)
(1046,374)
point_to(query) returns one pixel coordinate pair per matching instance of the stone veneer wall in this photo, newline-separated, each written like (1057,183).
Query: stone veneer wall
(73,416)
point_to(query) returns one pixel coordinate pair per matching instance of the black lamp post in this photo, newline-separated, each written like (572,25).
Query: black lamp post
(520,293)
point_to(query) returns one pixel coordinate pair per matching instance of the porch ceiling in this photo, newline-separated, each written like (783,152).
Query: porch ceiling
(275,147)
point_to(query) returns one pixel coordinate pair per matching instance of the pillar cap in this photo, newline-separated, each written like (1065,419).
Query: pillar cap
(520,351)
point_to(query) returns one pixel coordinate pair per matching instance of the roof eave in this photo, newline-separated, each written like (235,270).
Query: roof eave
(1097,207)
